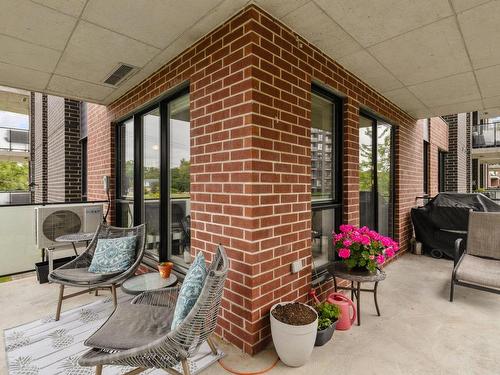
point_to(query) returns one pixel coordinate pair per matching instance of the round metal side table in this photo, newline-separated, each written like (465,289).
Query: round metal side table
(147,281)
(339,269)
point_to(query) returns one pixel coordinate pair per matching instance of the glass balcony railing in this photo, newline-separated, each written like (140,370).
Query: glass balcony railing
(486,135)
(14,140)
(8,198)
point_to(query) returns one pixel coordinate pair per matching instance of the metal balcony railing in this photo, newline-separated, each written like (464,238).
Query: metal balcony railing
(486,135)
(14,140)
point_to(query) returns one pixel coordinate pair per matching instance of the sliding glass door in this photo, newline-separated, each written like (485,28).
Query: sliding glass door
(384,179)
(150,176)
(125,195)
(153,176)
(179,178)
(376,175)
(366,173)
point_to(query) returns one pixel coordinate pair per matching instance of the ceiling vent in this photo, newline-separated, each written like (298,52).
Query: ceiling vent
(119,74)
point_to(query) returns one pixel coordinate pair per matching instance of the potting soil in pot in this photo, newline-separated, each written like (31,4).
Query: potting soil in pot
(295,314)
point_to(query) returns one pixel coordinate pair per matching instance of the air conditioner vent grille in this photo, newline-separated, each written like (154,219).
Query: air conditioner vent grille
(119,74)
(61,222)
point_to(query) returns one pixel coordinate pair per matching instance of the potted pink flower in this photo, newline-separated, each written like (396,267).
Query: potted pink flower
(363,248)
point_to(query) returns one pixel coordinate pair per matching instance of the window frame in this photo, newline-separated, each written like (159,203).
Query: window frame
(138,202)
(336,201)
(375,119)
(426,167)
(441,170)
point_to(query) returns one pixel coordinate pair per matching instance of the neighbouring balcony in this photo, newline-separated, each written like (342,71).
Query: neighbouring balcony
(14,197)
(14,140)
(486,135)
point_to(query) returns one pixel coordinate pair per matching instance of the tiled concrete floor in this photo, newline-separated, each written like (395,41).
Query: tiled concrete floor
(419,332)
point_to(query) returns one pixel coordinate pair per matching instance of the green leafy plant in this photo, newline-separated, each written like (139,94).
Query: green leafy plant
(328,313)
(14,176)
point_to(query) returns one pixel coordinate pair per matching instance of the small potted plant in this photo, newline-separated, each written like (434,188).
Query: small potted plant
(363,249)
(293,328)
(328,315)
(165,269)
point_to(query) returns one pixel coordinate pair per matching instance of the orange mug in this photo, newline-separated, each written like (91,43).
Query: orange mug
(165,268)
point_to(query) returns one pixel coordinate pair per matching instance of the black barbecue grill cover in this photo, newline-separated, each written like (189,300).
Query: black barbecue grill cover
(439,223)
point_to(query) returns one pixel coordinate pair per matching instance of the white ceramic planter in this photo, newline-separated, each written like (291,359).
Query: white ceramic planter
(294,344)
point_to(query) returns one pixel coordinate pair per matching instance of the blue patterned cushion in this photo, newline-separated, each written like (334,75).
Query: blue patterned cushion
(190,289)
(113,254)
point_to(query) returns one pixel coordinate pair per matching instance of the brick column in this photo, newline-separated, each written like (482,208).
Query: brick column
(351,162)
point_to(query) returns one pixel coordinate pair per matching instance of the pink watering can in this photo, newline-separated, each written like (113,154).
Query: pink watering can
(346,318)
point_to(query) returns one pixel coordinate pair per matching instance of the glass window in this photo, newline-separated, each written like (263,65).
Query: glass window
(441,173)
(425,129)
(322,130)
(158,164)
(366,181)
(425,159)
(180,154)
(323,224)
(326,210)
(151,179)
(375,175)
(384,178)
(126,183)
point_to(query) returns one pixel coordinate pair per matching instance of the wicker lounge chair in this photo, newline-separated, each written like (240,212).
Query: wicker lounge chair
(479,265)
(139,335)
(75,273)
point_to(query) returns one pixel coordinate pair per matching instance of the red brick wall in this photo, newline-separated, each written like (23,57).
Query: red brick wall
(250,86)
(100,153)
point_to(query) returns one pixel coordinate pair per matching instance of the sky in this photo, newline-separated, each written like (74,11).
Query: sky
(14,120)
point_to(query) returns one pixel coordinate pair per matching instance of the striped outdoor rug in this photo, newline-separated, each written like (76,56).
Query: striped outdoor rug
(47,347)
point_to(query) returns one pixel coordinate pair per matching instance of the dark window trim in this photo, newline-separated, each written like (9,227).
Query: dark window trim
(84,167)
(321,273)
(425,161)
(441,170)
(162,104)
(338,144)
(367,114)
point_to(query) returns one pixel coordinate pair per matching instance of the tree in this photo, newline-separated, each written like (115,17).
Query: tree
(383,161)
(13,176)
(180,178)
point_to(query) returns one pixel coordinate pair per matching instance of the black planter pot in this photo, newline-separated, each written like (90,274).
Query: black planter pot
(325,335)
(42,268)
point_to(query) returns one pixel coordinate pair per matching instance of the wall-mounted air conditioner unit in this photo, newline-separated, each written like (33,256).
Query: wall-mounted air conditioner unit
(53,221)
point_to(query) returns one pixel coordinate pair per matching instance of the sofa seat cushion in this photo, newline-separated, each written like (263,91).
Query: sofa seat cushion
(480,271)
(82,275)
(131,326)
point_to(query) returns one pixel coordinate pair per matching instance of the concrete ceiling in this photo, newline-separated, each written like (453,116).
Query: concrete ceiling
(430,57)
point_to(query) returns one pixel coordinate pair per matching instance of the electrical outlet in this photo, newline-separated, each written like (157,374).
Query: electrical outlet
(296,266)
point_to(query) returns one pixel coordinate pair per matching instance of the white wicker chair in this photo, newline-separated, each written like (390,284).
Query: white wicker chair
(75,273)
(173,346)
(478,267)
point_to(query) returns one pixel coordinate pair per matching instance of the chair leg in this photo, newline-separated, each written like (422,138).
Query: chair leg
(185,367)
(59,302)
(212,346)
(98,370)
(375,298)
(452,287)
(113,291)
